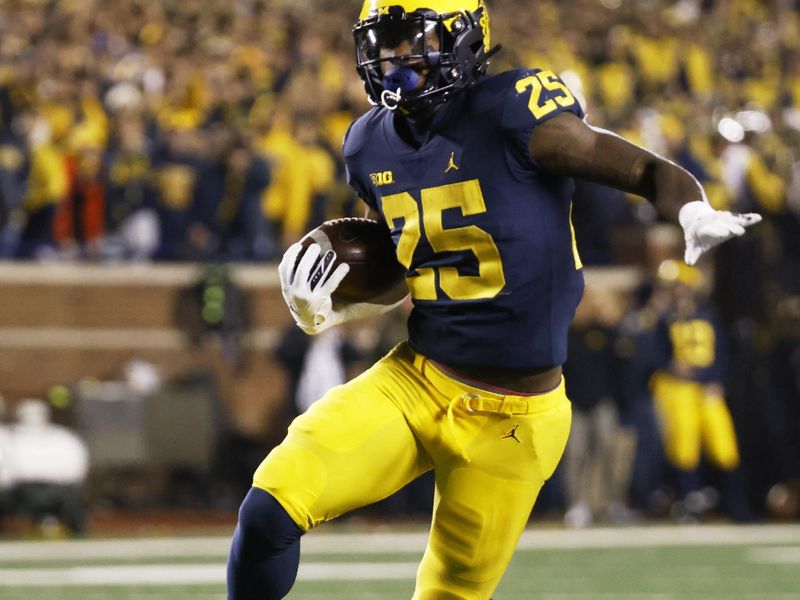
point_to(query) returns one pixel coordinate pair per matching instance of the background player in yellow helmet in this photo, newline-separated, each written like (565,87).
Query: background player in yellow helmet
(478,204)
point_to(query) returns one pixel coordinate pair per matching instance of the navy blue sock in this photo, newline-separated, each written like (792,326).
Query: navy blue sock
(265,552)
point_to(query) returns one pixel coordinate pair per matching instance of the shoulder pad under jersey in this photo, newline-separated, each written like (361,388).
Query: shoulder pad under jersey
(361,130)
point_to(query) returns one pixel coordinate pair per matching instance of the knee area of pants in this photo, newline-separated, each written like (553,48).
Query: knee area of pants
(262,518)
(685,464)
(683,459)
(727,463)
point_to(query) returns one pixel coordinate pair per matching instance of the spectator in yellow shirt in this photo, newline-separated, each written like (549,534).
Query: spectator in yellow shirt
(47,188)
(304,176)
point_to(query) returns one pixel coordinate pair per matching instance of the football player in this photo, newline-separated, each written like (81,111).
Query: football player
(472,175)
(688,391)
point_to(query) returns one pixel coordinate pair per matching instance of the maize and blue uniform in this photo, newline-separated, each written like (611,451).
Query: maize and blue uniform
(486,236)
(694,417)
(495,277)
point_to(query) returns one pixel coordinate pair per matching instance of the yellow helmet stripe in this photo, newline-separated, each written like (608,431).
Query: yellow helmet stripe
(438,6)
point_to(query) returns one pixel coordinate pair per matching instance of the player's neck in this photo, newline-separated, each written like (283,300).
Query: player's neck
(416,129)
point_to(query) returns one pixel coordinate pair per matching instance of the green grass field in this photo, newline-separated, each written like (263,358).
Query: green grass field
(659,563)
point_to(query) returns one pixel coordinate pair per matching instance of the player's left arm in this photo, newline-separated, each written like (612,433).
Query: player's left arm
(567,145)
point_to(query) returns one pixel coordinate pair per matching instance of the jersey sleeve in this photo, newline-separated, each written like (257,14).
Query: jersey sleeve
(535,96)
(360,189)
(350,151)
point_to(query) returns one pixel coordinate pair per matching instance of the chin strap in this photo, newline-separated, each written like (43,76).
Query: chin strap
(391,100)
(493,52)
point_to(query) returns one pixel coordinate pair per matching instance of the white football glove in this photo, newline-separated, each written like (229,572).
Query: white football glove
(704,227)
(307,290)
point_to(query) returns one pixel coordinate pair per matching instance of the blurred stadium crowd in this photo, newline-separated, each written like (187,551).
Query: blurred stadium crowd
(195,130)
(170,130)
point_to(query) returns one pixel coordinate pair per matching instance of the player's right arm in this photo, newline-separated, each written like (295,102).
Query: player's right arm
(398,294)
(308,281)
(567,145)
(312,306)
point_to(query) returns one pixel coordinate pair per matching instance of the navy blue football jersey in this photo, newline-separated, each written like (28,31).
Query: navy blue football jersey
(693,346)
(484,233)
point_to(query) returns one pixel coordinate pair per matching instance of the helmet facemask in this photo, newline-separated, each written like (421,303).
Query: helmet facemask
(415,61)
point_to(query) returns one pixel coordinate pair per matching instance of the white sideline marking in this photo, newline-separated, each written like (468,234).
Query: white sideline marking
(326,543)
(114,575)
(655,536)
(789,555)
(356,571)
(145,575)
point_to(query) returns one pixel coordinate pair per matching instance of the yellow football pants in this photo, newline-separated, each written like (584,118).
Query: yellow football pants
(693,420)
(366,439)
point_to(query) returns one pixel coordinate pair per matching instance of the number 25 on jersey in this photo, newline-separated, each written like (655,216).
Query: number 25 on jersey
(545,84)
(467,197)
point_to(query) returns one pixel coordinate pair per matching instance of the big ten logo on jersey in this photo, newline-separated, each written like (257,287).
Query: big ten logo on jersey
(381,179)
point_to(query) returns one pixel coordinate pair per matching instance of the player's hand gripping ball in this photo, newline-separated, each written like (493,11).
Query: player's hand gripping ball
(366,247)
(339,272)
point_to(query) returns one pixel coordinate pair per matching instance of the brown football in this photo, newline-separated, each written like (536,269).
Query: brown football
(367,247)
